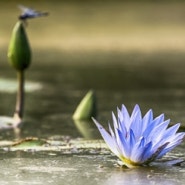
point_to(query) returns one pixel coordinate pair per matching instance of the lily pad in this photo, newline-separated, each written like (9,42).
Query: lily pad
(64,146)
(29,142)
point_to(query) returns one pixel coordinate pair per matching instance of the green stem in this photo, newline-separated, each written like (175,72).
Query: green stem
(19,109)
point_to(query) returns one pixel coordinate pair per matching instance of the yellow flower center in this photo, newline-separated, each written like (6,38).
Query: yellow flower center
(129,163)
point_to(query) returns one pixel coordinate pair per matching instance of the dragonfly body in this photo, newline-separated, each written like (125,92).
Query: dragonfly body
(28,13)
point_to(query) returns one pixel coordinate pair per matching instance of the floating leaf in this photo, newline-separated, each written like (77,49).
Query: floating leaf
(29,142)
(64,146)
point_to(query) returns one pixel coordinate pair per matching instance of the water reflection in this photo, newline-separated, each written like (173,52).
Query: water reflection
(87,129)
(10,85)
(142,176)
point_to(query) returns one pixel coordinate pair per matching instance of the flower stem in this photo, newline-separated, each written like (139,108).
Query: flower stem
(19,109)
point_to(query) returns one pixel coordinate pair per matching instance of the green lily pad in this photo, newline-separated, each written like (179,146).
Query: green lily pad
(29,142)
(70,146)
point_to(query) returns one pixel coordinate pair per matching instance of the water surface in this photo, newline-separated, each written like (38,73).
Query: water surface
(126,56)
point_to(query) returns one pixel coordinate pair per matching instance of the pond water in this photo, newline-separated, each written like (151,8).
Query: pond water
(54,168)
(71,58)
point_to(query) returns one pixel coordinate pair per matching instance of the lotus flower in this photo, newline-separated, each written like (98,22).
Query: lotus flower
(138,140)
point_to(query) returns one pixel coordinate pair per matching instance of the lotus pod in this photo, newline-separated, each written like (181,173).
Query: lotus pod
(19,52)
(87,107)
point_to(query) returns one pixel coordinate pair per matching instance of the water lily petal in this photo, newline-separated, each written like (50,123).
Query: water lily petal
(171,131)
(147,152)
(159,119)
(124,145)
(111,131)
(137,150)
(115,123)
(135,110)
(147,119)
(136,122)
(167,136)
(157,152)
(132,139)
(157,133)
(125,117)
(121,123)
(175,140)
(152,125)
(108,139)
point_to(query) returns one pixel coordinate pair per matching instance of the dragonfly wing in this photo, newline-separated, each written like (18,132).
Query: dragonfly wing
(30,13)
(27,11)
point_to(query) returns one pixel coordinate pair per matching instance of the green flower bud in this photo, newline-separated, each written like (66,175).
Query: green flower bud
(19,52)
(87,107)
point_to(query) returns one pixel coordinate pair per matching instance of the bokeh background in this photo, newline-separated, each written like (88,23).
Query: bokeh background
(127,51)
(143,26)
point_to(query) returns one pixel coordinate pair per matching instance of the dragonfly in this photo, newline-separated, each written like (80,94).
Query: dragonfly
(28,13)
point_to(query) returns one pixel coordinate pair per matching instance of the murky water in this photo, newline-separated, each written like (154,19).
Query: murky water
(67,63)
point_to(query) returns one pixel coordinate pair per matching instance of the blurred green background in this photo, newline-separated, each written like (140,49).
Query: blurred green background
(143,26)
(127,51)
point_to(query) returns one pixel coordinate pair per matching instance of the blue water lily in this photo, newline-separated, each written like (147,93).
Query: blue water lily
(138,140)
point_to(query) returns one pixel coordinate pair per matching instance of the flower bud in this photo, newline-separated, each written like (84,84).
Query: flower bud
(87,107)
(19,52)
